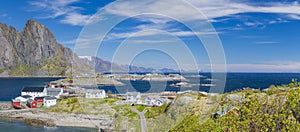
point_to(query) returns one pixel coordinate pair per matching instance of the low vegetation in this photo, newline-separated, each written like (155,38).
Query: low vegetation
(24,70)
(70,105)
(275,109)
(3,70)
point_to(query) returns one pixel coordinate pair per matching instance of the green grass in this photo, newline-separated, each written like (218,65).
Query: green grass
(140,107)
(126,110)
(83,105)
(70,105)
(2,70)
(152,112)
(272,110)
(24,70)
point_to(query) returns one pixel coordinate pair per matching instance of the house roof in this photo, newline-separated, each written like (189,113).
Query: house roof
(26,96)
(134,94)
(33,89)
(49,98)
(16,100)
(30,101)
(94,91)
(39,98)
(53,91)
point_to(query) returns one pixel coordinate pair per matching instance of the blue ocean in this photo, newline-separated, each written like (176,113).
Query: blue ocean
(11,87)
(234,81)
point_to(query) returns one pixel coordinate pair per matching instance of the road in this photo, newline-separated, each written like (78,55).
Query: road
(143,119)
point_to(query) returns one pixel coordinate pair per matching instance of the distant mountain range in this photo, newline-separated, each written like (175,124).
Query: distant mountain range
(101,65)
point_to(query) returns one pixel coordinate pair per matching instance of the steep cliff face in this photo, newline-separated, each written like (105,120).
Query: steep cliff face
(9,36)
(34,52)
(37,44)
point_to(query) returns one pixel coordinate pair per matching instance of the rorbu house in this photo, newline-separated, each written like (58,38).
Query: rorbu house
(34,91)
(24,98)
(31,103)
(39,99)
(16,103)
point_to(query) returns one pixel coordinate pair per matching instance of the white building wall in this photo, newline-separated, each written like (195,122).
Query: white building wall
(35,94)
(49,103)
(101,94)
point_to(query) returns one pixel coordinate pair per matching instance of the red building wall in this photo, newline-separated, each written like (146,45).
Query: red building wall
(32,105)
(16,103)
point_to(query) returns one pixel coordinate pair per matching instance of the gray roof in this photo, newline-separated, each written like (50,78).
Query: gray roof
(94,91)
(30,101)
(33,89)
(133,93)
(26,96)
(53,91)
(49,98)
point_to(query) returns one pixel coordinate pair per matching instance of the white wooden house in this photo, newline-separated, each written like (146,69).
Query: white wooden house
(34,91)
(95,93)
(133,98)
(24,98)
(49,101)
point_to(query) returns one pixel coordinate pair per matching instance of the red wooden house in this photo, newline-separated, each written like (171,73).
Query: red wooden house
(31,103)
(16,103)
(39,99)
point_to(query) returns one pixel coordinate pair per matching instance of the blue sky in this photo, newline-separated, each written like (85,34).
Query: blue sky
(256,36)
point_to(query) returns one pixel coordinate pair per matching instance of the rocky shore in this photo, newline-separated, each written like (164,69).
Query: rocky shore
(50,119)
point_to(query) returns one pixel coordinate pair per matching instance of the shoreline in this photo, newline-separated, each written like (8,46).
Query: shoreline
(31,77)
(22,120)
(40,117)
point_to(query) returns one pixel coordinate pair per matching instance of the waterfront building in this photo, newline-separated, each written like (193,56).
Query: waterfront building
(34,91)
(39,99)
(24,98)
(31,103)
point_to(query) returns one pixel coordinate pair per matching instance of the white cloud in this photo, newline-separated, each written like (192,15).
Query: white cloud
(210,8)
(267,42)
(260,67)
(61,8)
(279,67)
(76,19)
(143,33)
(251,24)
(3,15)
(163,11)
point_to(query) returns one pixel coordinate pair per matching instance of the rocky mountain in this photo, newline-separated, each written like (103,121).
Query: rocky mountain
(101,65)
(35,52)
